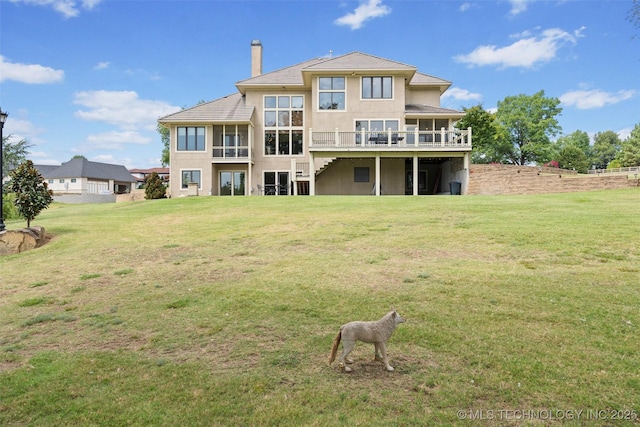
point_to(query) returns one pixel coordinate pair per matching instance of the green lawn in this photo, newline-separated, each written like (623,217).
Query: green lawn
(221,311)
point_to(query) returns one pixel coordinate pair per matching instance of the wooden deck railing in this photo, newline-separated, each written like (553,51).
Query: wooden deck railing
(391,139)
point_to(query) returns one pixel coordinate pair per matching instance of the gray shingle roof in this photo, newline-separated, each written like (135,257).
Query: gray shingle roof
(230,108)
(80,167)
(233,109)
(286,76)
(45,169)
(429,109)
(358,61)
(420,79)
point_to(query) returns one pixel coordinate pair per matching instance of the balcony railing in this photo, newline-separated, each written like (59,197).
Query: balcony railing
(454,139)
(232,153)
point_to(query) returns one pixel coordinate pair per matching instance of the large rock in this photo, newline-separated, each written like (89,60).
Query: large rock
(16,241)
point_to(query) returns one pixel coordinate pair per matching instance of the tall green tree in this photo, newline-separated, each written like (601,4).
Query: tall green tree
(606,146)
(629,154)
(32,194)
(164,137)
(529,122)
(567,147)
(578,138)
(489,141)
(572,157)
(13,154)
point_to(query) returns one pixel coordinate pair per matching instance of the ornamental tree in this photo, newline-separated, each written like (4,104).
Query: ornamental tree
(32,194)
(154,187)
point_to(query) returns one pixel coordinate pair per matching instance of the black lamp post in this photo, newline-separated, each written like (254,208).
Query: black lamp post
(3,118)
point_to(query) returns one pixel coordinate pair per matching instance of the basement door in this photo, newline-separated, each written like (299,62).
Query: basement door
(233,183)
(276,183)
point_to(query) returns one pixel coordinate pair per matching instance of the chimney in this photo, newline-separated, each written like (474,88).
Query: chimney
(256,58)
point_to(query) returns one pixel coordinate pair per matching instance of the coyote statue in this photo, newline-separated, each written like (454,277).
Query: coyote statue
(376,332)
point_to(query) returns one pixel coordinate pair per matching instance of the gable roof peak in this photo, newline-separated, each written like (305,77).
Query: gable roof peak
(360,61)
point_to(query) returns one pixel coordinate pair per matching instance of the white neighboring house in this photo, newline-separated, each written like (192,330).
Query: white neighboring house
(81,176)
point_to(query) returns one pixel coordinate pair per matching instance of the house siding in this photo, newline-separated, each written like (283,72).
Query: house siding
(302,79)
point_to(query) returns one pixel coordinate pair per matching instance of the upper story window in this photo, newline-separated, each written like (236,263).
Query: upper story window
(331,93)
(191,138)
(377,88)
(283,122)
(283,111)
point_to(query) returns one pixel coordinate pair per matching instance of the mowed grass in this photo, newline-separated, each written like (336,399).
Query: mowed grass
(222,311)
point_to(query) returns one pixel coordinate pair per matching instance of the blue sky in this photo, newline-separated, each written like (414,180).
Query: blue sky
(91,77)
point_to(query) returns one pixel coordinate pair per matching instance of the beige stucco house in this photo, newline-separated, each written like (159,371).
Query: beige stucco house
(354,124)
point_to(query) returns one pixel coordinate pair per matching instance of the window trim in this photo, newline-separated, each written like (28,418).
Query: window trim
(182,171)
(372,97)
(277,129)
(186,150)
(332,91)
(233,173)
(359,172)
(383,120)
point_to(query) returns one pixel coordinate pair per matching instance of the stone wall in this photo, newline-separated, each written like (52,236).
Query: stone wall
(511,179)
(134,196)
(84,198)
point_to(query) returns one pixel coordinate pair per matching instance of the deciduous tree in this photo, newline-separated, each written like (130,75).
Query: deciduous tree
(164,137)
(606,146)
(529,122)
(572,157)
(629,154)
(567,148)
(13,153)
(489,141)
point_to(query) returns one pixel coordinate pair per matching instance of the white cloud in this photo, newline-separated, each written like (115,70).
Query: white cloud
(594,98)
(102,65)
(125,161)
(123,109)
(18,127)
(518,6)
(68,8)
(526,52)
(461,95)
(29,73)
(116,139)
(464,7)
(104,158)
(366,11)
(624,133)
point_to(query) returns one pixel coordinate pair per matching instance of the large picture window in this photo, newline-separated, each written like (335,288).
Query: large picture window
(377,88)
(283,121)
(191,138)
(331,93)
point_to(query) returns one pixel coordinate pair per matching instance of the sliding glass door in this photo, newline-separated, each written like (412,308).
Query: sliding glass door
(233,183)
